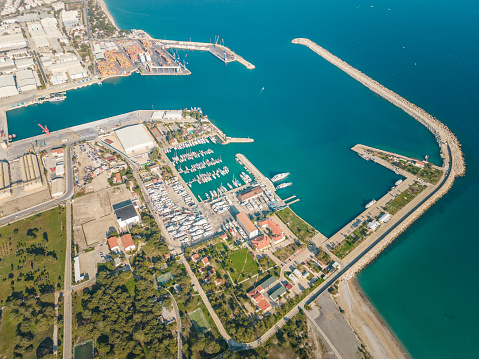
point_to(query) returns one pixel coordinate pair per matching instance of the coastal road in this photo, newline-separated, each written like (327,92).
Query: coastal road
(67,317)
(69,190)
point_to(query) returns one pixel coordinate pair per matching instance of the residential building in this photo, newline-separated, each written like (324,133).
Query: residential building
(278,235)
(113,244)
(206,261)
(195,258)
(128,243)
(260,243)
(117,178)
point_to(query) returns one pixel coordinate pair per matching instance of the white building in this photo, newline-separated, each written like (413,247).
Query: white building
(26,80)
(385,217)
(76,266)
(126,214)
(58,79)
(70,18)
(57,187)
(373,225)
(134,138)
(297,273)
(22,64)
(7,86)
(12,42)
(57,6)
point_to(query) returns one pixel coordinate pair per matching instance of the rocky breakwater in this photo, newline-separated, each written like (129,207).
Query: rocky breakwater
(453,165)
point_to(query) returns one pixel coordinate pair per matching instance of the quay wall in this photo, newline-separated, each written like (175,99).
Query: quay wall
(449,145)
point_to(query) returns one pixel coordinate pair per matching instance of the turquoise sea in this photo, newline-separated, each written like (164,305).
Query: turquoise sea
(309,116)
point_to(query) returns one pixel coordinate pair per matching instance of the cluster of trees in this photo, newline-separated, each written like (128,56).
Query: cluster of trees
(99,21)
(28,327)
(291,341)
(124,325)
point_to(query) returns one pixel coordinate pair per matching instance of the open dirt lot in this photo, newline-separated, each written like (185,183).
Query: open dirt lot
(93,215)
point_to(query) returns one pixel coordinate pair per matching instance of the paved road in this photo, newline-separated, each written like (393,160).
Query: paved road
(178,322)
(51,203)
(67,317)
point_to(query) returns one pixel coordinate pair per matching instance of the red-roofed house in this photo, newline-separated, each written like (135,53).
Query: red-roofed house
(223,235)
(278,235)
(212,271)
(202,270)
(113,244)
(206,261)
(288,286)
(219,282)
(261,242)
(264,305)
(117,178)
(167,255)
(195,258)
(111,160)
(128,243)
(419,164)
(57,152)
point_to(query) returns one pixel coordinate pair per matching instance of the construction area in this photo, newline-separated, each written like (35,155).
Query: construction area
(93,215)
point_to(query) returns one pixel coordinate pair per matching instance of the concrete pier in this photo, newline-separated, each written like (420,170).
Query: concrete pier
(221,52)
(257,173)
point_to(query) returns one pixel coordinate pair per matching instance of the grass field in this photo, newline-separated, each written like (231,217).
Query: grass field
(32,254)
(300,228)
(199,321)
(243,264)
(285,252)
(404,198)
(84,350)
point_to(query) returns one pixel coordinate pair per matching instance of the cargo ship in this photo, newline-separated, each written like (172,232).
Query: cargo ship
(370,204)
(279,177)
(284,185)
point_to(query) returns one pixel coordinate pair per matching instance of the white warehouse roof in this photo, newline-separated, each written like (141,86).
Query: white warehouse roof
(7,86)
(134,138)
(26,81)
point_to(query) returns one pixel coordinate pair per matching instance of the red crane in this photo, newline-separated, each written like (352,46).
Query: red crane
(45,129)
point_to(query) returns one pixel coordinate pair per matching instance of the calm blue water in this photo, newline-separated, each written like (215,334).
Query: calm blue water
(309,116)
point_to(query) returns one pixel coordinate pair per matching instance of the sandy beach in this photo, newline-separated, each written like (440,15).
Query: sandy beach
(366,322)
(107,12)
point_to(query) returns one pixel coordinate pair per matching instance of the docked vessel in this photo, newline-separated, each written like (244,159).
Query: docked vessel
(279,177)
(398,182)
(370,204)
(284,185)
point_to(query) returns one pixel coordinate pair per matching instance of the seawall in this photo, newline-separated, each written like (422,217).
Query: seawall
(449,145)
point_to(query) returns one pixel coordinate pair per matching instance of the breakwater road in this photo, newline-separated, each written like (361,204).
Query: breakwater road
(441,132)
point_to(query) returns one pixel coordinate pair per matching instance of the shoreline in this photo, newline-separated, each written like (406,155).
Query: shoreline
(104,7)
(368,324)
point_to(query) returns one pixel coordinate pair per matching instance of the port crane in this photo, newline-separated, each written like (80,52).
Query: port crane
(45,129)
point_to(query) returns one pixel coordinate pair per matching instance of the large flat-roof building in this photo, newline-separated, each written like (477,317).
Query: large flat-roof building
(30,171)
(250,194)
(247,225)
(26,80)
(126,214)
(7,86)
(4,180)
(70,18)
(134,138)
(12,42)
